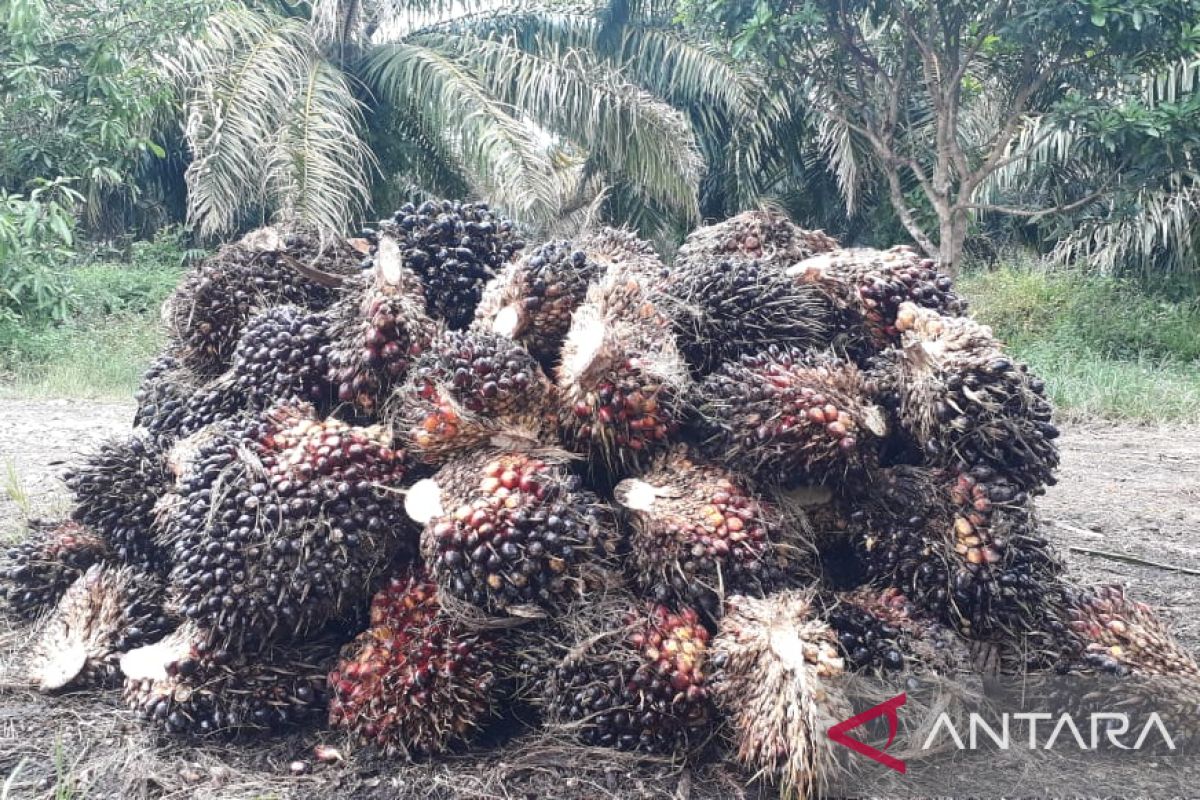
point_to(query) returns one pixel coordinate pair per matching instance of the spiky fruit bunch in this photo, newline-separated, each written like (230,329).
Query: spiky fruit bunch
(377,329)
(206,312)
(1114,634)
(881,631)
(533,298)
(283,523)
(640,687)
(414,682)
(105,612)
(162,398)
(455,248)
(188,683)
(764,235)
(468,387)
(622,382)
(775,667)
(868,286)
(506,530)
(969,403)
(115,490)
(699,533)
(786,416)
(283,354)
(36,571)
(723,309)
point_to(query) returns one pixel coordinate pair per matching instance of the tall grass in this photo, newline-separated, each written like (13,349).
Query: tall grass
(1105,347)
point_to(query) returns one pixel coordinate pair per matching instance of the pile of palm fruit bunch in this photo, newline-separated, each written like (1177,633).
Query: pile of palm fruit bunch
(432,479)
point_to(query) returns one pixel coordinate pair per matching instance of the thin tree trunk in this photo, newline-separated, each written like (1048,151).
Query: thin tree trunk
(952,234)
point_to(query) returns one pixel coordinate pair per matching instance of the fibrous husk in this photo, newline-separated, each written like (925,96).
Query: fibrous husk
(415,682)
(189,683)
(105,612)
(38,569)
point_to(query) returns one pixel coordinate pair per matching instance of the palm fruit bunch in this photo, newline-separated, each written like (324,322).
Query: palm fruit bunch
(532,299)
(467,388)
(762,235)
(36,571)
(115,490)
(105,612)
(206,313)
(1113,634)
(881,631)
(786,416)
(622,383)
(377,329)
(284,522)
(506,530)
(698,533)
(868,286)
(283,354)
(162,397)
(455,249)
(723,309)
(640,686)
(775,671)
(187,683)
(415,682)
(969,403)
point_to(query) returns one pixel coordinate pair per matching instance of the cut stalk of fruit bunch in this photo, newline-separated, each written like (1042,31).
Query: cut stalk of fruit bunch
(415,682)
(467,389)
(105,612)
(699,534)
(507,530)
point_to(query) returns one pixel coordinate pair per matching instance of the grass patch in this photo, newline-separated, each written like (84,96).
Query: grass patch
(1105,348)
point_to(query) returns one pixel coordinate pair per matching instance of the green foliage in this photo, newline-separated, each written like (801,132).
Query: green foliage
(36,235)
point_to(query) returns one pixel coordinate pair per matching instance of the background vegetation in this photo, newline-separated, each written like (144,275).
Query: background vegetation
(1048,150)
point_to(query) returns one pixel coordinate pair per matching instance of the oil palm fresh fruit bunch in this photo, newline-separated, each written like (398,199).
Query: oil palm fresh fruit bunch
(507,530)
(283,524)
(469,388)
(416,681)
(622,383)
(785,416)
(455,249)
(283,354)
(36,571)
(699,534)
(775,676)
(532,299)
(763,235)
(640,684)
(1115,634)
(969,403)
(162,397)
(105,612)
(377,329)
(190,683)
(868,286)
(724,308)
(115,489)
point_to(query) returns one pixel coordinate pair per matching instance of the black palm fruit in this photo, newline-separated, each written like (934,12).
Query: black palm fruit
(36,571)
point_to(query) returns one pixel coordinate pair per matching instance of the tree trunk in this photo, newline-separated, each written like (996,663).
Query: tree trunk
(952,233)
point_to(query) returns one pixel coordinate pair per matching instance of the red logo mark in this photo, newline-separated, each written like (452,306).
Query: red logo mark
(838,732)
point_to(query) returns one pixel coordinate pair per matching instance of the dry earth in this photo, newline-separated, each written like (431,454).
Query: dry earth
(1126,510)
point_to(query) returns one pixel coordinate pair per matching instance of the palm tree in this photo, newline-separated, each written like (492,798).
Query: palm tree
(551,111)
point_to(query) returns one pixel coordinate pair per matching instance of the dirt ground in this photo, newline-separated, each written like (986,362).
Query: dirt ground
(1126,510)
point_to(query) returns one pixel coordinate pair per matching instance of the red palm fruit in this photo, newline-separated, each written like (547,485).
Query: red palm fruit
(762,235)
(868,286)
(969,403)
(784,417)
(469,388)
(187,683)
(532,299)
(510,529)
(36,571)
(642,686)
(415,682)
(775,671)
(105,612)
(699,533)
(377,330)
(1112,633)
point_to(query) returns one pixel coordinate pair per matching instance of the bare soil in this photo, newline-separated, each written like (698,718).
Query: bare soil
(1126,510)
